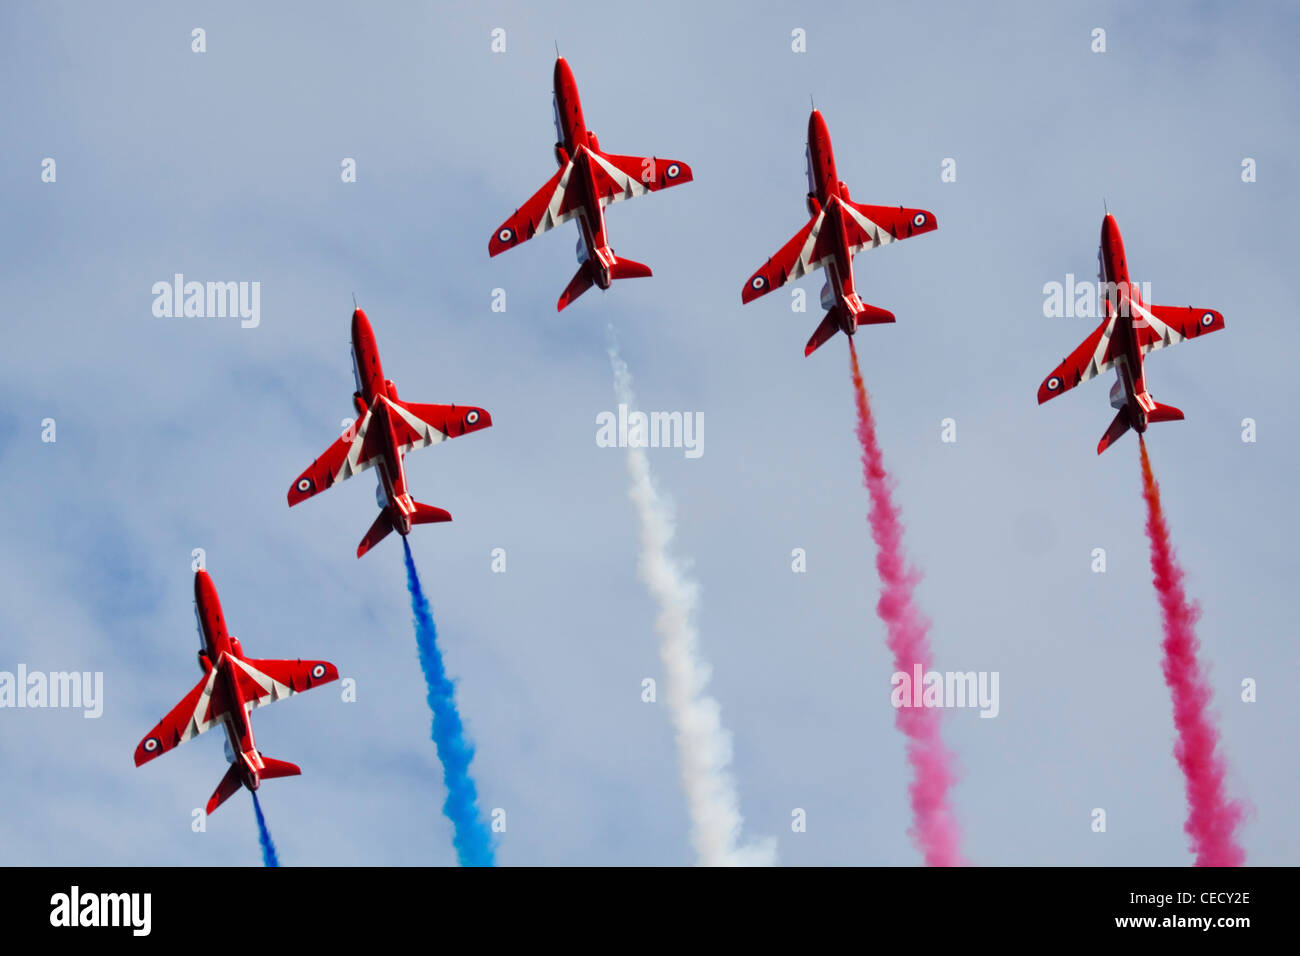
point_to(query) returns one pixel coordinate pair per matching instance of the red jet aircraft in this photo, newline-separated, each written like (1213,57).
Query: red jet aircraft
(231,687)
(383,434)
(838,229)
(1131,330)
(587,182)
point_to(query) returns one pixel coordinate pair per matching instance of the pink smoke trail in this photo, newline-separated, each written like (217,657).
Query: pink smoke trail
(934,829)
(1212,819)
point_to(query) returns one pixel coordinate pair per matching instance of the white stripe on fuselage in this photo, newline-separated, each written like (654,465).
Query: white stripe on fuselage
(428,434)
(805,264)
(1165,334)
(275,690)
(879,236)
(631,186)
(553,216)
(197,724)
(1099,364)
(352,464)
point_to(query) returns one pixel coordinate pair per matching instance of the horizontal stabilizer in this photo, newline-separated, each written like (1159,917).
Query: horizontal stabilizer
(225,789)
(829,326)
(378,531)
(1117,428)
(580,283)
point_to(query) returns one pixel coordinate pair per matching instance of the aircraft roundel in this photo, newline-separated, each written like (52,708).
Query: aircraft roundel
(918,219)
(471,418)
(758,282)
(1053,383)
(1207,318)
(304,485)
(318,671)
(151,744)
(673,171)
(505,235)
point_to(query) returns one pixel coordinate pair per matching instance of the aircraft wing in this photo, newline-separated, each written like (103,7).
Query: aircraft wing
(549,207)
(624,177)
(1166,325)
(417,426)
(796,258)
(353,452)
(1089,360)
(200,710)
(266,681)
(869,226)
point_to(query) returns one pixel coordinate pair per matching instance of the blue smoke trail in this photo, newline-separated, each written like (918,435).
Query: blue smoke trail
(264,836)
(472,841)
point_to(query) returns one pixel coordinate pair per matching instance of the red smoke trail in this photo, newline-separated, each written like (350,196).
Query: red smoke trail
(1212,819)
(934,829)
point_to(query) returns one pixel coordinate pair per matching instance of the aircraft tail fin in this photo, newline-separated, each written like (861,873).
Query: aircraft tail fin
(378,531)
(1165,413)
(230,783)
(585,277)
(1118,426)
(428,514)
(865,315)
(278,768)
(823,333)
(582,281)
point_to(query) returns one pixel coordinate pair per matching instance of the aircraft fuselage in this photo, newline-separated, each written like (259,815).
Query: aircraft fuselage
(219,648)
(1121,296)
(372,390)
(573,141)
(825,192)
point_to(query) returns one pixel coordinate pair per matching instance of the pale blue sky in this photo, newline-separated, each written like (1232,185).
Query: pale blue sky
(183,433)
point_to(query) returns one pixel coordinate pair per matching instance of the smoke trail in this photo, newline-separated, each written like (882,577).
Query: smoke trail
(472,840)
(703,744)
(1212,819)
(934,829)
(264,836)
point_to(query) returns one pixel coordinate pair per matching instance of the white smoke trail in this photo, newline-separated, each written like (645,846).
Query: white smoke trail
(703,744)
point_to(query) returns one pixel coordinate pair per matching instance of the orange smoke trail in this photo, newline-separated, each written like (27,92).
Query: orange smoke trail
(1212,819)
(934,829)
